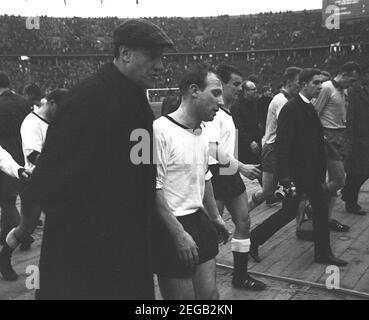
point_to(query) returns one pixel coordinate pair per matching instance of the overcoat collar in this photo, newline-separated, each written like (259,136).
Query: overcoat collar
(128,93)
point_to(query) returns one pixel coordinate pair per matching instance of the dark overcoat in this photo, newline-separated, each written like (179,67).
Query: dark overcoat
(97,202)
(358,130)
(245,118)
(300,150)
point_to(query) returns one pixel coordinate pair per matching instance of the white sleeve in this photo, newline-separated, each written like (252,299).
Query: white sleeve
(31,137)
(8,164)
(161,156)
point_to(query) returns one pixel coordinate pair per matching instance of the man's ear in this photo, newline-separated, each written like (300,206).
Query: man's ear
(125,53)
(194,90)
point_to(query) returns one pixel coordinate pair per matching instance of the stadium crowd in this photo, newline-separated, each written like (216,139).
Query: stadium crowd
(50,73)
(223,33)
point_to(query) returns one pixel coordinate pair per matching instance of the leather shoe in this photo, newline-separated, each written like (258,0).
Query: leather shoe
(248,283)
(336,226)
(26,243)
(330,259)
(305,235)
(254,252)
(6,269)
(355,210)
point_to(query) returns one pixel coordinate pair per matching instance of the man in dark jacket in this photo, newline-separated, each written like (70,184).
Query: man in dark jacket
(245,117)
(357,164)
(301,159)
(13,109)
(96,191)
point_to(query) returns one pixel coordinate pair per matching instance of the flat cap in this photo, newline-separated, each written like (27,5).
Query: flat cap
(141,33)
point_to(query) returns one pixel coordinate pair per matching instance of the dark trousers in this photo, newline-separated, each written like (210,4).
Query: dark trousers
(282,217)
(350,192)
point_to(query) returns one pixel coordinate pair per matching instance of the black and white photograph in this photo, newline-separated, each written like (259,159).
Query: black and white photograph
(171,150)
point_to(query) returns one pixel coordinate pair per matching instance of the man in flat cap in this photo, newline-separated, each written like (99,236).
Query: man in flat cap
(98,200)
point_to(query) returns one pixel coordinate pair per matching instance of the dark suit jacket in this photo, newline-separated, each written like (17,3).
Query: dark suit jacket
(300,144)
(245,118)
(13,109)
(98,204)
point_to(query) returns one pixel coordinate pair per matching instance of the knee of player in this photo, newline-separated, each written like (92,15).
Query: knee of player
(244,221)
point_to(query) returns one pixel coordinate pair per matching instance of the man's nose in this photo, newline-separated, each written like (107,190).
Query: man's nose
(220,102)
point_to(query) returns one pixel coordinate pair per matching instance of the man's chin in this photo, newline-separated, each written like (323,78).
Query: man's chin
(208,119)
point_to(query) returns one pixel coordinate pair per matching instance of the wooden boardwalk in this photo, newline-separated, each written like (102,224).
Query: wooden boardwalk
(287,264)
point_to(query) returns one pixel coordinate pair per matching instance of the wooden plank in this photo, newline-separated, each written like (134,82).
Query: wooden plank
(306,261)
(358,255)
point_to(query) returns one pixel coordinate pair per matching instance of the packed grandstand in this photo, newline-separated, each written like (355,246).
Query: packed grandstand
(65,50)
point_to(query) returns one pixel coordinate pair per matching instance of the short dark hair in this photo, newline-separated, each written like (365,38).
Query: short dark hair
(33,90)
(253,78)
(290,74)
(4,80)
(350,67)
(326,73)
(225,71)
(196,75)
(265,89)
(58,95)
(307,74)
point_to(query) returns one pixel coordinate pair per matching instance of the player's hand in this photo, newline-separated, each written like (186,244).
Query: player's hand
(250,171)
(187,249)
(255,148)
(223,232)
